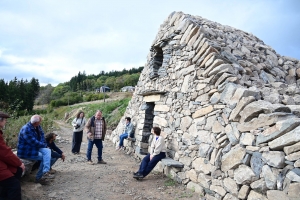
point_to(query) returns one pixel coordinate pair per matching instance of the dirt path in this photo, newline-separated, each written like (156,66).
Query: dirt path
(75,179)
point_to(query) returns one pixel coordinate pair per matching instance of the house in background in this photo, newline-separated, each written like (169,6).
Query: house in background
(103,89)
(127,89)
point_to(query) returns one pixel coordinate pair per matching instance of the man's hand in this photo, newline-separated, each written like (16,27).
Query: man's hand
(151,156)
(23,167)
(63,157)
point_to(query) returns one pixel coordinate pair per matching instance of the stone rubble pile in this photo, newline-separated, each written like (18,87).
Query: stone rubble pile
(228,106)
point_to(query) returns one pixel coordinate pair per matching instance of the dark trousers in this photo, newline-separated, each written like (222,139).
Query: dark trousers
(10,188)
(76,142)
(147,165)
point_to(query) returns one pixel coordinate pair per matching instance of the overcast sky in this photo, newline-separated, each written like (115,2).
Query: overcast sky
(52,40)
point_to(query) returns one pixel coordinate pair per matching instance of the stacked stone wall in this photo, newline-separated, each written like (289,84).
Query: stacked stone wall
(228,106)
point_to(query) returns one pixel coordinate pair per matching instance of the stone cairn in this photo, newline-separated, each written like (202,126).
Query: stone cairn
(228,106)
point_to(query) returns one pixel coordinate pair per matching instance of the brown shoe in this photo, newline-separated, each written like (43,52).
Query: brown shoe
(42,181)
(47,175)
(52,171)
(101,162)
(90,162)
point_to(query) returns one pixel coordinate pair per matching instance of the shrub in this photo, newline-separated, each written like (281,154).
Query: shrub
(14,125)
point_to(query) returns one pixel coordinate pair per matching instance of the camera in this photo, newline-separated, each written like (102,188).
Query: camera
(77,126)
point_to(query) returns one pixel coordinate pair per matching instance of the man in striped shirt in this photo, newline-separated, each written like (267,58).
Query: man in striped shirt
(96,130)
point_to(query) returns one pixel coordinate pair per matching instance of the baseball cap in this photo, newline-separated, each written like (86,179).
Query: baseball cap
(4,115)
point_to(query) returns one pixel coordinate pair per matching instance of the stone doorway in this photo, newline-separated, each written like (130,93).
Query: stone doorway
(148,124)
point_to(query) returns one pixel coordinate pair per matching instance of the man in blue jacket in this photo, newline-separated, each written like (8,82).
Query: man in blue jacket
(128,133)
(56,153)
(32,146)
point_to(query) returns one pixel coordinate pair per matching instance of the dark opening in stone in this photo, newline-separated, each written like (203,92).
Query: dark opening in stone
(156,62)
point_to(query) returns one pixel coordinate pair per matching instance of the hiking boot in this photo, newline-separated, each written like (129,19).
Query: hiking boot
(42,181)
(121,148)
(90,162)
(52,171)
(138,175)
(101,162)
(47,175)
(135,173)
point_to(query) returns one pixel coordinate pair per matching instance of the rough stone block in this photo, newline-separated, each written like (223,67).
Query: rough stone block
(244,191)
(287,139)
(233,158)
(276,194)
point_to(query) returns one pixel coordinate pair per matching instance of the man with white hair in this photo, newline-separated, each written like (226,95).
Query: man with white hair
(32,145)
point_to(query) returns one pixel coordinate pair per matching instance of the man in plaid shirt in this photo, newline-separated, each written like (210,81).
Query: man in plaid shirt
(32,145)
(96,130)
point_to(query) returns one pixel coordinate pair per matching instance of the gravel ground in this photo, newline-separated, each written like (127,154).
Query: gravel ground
(75,179)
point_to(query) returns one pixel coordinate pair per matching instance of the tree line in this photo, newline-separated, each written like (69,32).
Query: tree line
(22,94)
(113,79)
(18,94)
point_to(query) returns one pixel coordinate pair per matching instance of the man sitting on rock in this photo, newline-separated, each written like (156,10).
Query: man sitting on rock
(56,153)
(32,146)
(128,133)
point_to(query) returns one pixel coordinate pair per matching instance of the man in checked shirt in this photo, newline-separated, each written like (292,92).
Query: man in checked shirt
(96,130)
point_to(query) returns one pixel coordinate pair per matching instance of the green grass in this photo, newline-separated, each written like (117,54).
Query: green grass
(170,181)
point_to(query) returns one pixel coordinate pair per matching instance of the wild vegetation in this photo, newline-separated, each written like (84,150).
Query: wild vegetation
(81,88)
(18,98)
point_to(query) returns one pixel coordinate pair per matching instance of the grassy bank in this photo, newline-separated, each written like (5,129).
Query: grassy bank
(112,111)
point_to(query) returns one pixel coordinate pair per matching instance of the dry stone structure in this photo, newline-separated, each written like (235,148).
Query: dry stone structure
(228,106)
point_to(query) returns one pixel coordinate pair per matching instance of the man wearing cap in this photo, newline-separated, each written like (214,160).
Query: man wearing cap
(32,145)
(11,167)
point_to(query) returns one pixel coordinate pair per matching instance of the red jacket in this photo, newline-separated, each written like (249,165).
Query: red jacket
(9,162)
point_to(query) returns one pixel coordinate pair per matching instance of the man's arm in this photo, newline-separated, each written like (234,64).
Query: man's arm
(88,126)
(55,148)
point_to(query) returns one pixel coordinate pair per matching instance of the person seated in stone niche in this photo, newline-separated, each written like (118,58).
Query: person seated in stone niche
(56,153)
(157,153)
(128,133)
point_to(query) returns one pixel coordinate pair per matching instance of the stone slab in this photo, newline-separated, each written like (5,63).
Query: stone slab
(172,163)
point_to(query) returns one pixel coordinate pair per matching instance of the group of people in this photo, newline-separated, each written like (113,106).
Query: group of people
(33,144)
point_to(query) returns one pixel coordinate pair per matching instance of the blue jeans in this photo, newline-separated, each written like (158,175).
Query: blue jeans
(122,137)
(147,165)
(98,143)
(45,157)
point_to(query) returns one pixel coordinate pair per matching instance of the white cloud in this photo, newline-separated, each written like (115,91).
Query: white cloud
(53,40)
